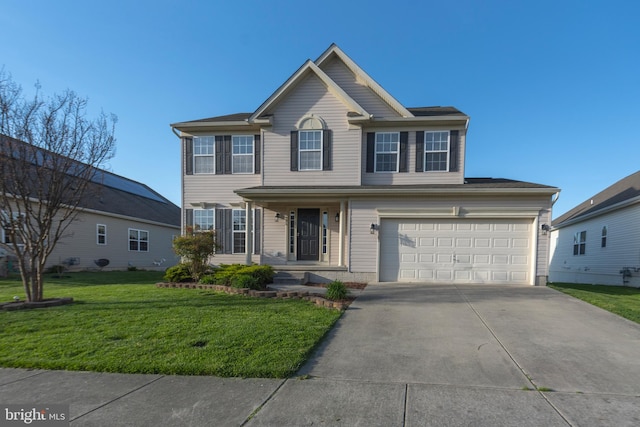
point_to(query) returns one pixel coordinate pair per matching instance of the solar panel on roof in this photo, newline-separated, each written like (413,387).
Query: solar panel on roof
(123,184)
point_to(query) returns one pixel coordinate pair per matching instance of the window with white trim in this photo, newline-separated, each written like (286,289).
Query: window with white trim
(325,232)
(138,240)
(101,234)
(580,243)
(9,226)
(292,232)
(239,217)
(204,155)
(242,154)
(310,149)
(603,237)
(436,151)
(203,219)
(387,151)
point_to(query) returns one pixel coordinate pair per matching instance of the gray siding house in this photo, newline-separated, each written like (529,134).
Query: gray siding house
(333,176)
(123,221)
(598,241)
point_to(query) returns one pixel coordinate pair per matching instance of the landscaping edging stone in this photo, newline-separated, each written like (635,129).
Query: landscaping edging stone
(305,295)
(21,305)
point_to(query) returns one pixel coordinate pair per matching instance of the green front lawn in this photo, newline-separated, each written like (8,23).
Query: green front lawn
(621,300)
(120,322)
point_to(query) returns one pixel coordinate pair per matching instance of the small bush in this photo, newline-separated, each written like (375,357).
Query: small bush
(208,279)
(245,281)
(178,273)
(336,290)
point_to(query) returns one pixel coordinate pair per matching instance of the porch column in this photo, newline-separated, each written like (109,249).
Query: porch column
(341,235)
(248,241)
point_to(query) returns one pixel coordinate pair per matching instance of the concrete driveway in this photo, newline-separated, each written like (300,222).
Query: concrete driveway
(401,355)
(417,354)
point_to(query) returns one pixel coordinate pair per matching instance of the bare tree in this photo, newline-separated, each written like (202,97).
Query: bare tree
(50,152)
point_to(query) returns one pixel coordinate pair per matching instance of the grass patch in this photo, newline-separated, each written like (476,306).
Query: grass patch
(120,322)
(621,300)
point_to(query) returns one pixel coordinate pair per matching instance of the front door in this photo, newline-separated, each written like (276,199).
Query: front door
(308,234)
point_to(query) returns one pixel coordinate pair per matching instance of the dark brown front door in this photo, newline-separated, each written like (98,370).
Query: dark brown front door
(308,234)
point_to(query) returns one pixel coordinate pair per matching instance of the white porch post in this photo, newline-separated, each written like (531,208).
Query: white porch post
(248,241)
(341,235)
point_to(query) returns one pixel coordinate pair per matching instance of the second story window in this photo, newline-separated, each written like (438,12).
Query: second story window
(310,146)
(387,151)
(203,154)
(242,154)
(436,147)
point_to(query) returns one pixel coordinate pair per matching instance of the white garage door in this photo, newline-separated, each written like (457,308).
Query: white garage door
(456,250)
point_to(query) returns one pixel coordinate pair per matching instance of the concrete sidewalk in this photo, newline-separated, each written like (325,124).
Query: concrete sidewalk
(401,355)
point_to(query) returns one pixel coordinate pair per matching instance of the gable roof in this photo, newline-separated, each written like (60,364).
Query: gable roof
(623,192)
(308,68)
(118,195)
(335,51)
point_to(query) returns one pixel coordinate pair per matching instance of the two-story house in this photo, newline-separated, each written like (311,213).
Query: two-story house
(334,176)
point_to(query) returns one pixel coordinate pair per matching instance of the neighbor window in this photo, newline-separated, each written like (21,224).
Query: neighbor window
(387,150)
(203,154)
(203,219)
(242,154)
(101,234)
(436,148)
(580,243)
(603,240)
(310,148)
(9,226)
(138,240)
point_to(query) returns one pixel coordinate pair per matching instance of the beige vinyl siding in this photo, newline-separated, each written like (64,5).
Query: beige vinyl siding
(357,90)
(598,265)
(411,176)
(82,244)
(363,252)
(216,188)
(311,97)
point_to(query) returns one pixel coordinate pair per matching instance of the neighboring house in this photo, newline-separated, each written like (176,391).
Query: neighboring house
(126,222)
(332,176)
(598,241)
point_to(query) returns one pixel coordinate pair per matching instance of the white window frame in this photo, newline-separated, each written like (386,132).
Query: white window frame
(197,155)
(99,234)
(243,231)
(138,239)
(395,152)
(4,226)
(200,212)
(234,155)
(580,243)
(603,236)
(310,150)
(427,151)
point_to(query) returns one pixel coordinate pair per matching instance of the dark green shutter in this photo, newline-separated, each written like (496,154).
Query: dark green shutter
(454,150)
(404,142)
(228,152)
(371,151)
(188,218)
(294,150)
(420,151)
(188,156)
(219,148)
(257,232)
(256,154)
(326,150)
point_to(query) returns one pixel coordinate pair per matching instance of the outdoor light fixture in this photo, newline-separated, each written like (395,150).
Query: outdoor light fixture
(545,228)
(373,228)
(338,217)
(278,216)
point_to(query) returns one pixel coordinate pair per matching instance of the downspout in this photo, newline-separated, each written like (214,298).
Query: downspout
(182,227)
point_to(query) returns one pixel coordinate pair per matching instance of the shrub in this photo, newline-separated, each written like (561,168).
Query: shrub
(195,249)
(263,273)
(178,273)
(245,281)
(336,290)
(208,279)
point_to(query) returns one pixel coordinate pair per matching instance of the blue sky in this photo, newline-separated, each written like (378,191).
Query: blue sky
(552,87)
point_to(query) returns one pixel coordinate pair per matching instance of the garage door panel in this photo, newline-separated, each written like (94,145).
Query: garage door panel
(456,250)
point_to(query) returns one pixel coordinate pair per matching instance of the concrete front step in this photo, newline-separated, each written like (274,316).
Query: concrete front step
(290,278)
